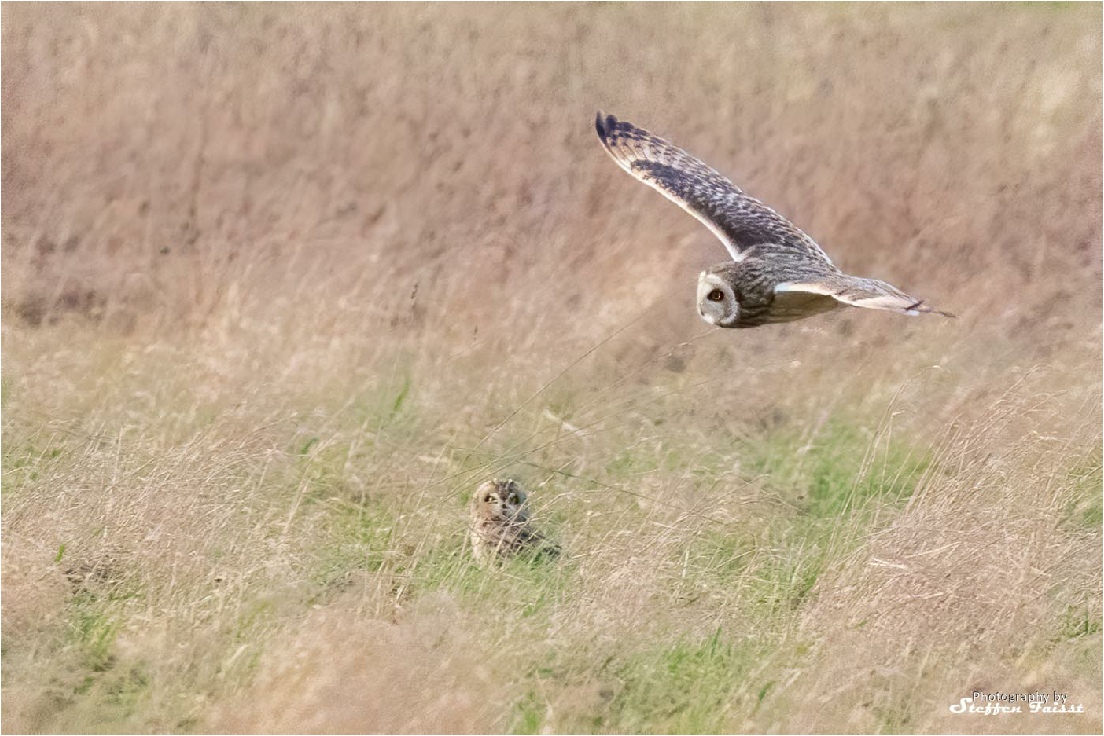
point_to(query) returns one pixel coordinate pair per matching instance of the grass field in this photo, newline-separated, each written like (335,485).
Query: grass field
(283,284)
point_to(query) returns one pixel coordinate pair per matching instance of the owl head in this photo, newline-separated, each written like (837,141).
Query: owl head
(718,300)
(502,501)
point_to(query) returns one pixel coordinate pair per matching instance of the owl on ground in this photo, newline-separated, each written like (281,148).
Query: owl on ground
(500,523)
(777,273)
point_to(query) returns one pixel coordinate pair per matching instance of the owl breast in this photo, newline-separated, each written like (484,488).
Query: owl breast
(753,283)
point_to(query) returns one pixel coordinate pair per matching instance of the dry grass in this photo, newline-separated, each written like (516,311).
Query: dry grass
(281,285)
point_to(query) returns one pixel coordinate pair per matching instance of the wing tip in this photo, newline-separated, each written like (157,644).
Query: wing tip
(611,136)
(921,308)
(605,125)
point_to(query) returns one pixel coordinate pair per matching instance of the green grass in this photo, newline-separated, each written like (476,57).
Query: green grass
(365,498)
(797,505)
(99,688)
(92,630)
(1078,622)
(687,687)
(528,715)
(837,486)
(1084,508)
(25,461)
(841,468)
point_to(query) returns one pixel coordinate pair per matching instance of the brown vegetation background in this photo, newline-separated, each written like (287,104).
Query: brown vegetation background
(273,270)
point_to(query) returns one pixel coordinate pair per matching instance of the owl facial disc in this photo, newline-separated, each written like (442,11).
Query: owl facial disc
(716,301)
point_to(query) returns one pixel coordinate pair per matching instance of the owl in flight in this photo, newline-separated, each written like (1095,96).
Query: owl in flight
(777,273)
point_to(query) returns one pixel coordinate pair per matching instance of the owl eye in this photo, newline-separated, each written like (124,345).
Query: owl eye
(513,498)
(489,498)
(716,296)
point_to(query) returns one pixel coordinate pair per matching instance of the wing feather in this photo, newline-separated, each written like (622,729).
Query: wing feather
(738,220)
(867,293)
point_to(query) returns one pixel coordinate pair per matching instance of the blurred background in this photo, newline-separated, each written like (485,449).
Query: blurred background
(158,158)
(283,283)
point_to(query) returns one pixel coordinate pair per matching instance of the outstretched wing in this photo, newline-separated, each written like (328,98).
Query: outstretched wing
(740,221)
(858,292)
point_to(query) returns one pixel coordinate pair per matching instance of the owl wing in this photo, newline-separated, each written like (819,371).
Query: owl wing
(740,221)
(859,292)
(538,543)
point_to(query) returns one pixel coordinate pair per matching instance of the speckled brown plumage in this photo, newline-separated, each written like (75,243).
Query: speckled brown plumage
(500,523)
(777,273)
